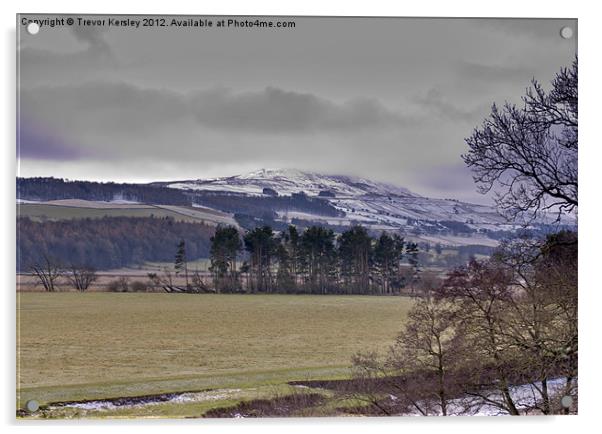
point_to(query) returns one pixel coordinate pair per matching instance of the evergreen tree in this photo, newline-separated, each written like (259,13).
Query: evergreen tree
(318,258)
(285,280)
(180,263)
(388,252)
(355,256)
(412,255)
(260,244)
(225,245)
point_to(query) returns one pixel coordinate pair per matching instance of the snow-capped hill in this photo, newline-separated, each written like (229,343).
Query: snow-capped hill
(288,181)
(376,205)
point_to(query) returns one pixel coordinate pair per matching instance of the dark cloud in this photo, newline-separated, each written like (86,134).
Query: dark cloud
(388,99)
(120,107)
(103,107)
(274,110)
(39,143)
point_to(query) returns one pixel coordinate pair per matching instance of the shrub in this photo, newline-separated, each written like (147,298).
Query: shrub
(139,286)
(121,284)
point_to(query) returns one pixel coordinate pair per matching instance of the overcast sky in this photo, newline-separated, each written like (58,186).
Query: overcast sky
(388,99)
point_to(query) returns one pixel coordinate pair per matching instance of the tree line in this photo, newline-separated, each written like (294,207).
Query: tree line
(265,207)
(108,242)
(45,189)
(315,261)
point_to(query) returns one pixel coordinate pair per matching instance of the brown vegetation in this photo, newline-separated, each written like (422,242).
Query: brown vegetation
(283,406)
(491,326)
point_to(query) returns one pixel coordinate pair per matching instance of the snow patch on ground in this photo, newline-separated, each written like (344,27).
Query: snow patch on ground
(525,397)
(124,403)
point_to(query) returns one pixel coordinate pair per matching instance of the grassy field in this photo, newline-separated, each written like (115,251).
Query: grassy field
(57,212)
(74,346)
(60,212)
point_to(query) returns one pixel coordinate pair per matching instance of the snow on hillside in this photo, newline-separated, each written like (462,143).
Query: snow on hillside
(380,206)
(288,181)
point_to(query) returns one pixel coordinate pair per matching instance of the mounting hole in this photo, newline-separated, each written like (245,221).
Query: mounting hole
(32,406)
(566,32)
(33,28)
(566,401)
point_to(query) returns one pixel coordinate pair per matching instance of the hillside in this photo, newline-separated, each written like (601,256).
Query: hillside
(277,197)
(379,206)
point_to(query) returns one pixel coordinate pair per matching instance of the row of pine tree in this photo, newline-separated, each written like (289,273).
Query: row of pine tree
(315,260)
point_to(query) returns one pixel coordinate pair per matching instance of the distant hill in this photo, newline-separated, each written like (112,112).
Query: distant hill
(279,197)
(379,206)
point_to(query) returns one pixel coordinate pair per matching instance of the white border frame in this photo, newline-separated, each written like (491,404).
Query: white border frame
(589,167)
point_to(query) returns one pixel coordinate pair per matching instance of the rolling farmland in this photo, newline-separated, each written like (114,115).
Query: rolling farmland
(75,346)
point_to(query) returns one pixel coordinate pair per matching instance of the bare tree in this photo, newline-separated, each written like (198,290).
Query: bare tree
(47,272)
(371,382)
(198,284)
(500,331)
(541,319)
(429,280)
(165,280)
(518,311)
(81,277)
(480,291)
(421,373)
(426,354)
(530,152)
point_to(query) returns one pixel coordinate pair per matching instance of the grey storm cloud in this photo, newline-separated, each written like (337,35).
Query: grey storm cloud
(387,99)
(131,109)
(277,110)
(112,108)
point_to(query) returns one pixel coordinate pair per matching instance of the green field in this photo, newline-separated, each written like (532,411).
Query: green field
(87,209)
(74,346)
(57,212)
